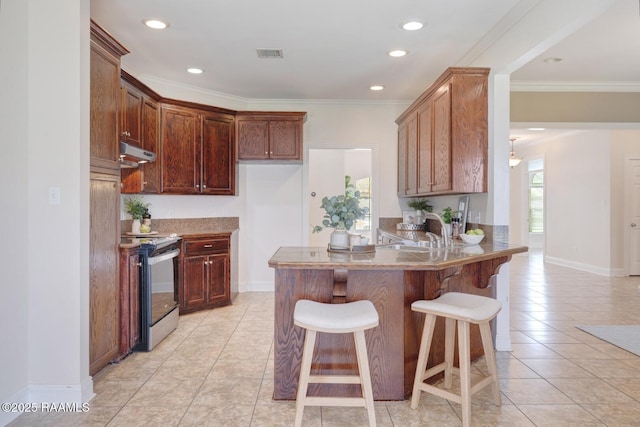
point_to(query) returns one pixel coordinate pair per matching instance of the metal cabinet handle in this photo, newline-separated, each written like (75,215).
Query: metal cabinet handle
(204,186)
(633,224)
(208,246)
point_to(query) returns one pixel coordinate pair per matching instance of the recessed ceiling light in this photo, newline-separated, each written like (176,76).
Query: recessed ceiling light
(397,53)
(156,24)
(376,87)
(195,70)
(552,59)
(535,129)
(412,25)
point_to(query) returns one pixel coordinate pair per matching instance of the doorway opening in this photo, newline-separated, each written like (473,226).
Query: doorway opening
(327,170)
(535,203)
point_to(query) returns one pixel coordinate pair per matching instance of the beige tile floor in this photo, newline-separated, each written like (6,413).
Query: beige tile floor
(216,369)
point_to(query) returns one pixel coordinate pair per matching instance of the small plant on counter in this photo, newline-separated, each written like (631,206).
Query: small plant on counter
(135,207)
(420,205)
(343,210)
(447,214)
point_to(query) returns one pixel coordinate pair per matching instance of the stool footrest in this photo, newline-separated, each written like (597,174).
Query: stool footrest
(334,379)
(434,370)
(445,394)
(334,401)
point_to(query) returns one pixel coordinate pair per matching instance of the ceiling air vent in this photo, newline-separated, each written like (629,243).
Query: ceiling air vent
(270,53)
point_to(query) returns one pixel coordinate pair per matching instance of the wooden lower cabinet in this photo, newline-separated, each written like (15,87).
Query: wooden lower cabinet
(129,299)
(104,310)
(205,269)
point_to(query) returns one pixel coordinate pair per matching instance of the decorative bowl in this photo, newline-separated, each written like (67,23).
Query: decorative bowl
(472,239)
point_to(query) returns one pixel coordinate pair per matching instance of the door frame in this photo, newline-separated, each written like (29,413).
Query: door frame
(306,232)
(627,211)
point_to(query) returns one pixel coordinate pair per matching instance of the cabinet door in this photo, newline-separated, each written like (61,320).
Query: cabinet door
(425,148)
(180,159)
(134,301)
(151,142)
(253,143)
(402,159)
(284,140)
(104,108)
(146,177)
(129,300)
(194,285)
(412,156)
(130,130)
(442,139)
(218,161)
(104,279)
(218,283)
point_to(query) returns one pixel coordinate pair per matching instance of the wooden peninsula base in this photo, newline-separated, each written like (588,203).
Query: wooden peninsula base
(392,280)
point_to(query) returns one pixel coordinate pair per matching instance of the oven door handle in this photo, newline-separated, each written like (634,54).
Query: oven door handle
(163,257)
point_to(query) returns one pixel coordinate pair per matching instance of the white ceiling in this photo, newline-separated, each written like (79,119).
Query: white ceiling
(336,49)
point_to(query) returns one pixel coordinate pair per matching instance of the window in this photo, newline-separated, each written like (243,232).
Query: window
(536,201)
(364,186)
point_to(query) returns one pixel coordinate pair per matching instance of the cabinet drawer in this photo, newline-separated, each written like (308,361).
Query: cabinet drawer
(205,247)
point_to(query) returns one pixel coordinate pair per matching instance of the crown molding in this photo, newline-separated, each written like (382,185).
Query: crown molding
(573,86)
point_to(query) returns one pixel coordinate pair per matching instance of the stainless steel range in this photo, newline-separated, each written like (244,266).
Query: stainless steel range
(158,290)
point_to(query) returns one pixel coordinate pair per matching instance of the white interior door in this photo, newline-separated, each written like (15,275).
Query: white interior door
(327,169)
(633,209)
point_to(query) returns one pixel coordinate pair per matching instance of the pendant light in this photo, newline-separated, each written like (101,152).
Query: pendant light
(513,160)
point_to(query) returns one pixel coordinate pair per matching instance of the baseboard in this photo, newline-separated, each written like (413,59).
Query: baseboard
(256,287)
(602,271)
(62,393)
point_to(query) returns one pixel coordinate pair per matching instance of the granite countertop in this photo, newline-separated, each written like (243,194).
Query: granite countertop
(391,259)
(182,227)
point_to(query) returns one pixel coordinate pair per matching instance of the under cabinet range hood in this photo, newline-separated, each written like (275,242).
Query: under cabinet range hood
(131,156)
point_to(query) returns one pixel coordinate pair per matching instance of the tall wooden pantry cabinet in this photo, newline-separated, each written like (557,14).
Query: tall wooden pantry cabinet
(104,327)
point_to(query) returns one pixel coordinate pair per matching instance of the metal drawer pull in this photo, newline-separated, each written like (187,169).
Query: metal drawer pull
(208,246)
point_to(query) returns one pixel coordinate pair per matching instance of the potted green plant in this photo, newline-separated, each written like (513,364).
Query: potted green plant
(342,211)
(135,206)
(447,214)
(420,205)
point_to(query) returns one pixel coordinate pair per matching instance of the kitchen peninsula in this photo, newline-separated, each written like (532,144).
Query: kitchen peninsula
(392,279)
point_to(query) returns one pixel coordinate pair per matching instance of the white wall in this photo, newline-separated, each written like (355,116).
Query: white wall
(14,209)
(584,180)
(45,267)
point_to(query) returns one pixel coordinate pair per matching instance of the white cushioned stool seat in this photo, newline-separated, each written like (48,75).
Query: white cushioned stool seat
(461,309)
(352,317)
(467,307)
(335,318)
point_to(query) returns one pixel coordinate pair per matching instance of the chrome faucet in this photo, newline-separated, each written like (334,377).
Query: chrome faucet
(443,230)
(432,239)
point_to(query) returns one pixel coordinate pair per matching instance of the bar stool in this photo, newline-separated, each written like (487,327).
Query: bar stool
(352,317)
(463,309)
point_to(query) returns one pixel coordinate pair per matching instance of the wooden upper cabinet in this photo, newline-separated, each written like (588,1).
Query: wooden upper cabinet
(131,128)
(197,152)
(441,139)
(151,142)
(269,135)
(218,158)
(451,150)
(407,159)
(145,113)
(105,100)
(180,151)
